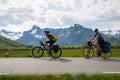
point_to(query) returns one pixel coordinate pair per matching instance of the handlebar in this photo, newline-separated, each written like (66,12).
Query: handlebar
(89,43)
(41,42)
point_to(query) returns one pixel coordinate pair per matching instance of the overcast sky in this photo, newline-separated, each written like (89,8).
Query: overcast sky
(20,15)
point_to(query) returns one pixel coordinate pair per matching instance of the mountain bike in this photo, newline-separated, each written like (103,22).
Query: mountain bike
(89,50)
(38,51)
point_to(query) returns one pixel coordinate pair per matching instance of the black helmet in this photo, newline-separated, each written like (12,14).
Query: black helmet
(46,31)
(96,30)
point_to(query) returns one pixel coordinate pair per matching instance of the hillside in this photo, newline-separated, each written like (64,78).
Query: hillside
(5,42)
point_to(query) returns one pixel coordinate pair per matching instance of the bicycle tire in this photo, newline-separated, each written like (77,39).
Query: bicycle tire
(37,52)
(87,52)
(106,55)
(56,54)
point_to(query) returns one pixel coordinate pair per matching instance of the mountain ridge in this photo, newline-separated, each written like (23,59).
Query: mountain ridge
(74,35)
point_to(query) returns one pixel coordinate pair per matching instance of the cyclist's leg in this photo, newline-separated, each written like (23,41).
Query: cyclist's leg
(98,49)
(101,44)
(51,43)
(47,44)
(50,46)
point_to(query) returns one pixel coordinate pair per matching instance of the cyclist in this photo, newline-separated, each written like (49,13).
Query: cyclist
(99,40)
(51,39)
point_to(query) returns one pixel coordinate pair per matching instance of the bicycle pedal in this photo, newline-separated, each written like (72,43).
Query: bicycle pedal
(88,52)
(87,55)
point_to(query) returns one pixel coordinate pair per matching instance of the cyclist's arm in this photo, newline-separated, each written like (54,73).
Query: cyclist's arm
(91,38)
(94,38)
(45,38)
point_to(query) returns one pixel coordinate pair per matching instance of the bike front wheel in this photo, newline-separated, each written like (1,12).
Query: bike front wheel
(106,55)
(87,52)
(37,52)
(56,54)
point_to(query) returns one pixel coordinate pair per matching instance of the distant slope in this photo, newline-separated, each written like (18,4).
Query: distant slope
(5,42)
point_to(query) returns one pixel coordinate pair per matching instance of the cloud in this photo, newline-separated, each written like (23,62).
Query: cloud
(4,1)
(16,16)
(59,13)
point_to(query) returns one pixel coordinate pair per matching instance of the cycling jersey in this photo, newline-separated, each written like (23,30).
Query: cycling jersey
(52,37)
(99,37)
(100,40)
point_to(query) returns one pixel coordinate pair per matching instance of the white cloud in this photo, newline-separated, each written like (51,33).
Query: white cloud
(23,14)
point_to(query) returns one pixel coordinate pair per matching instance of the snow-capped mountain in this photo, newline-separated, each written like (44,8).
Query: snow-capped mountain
(32,36)
(111,32)
(74,35)
(36,32)
(11,35)
(112,36)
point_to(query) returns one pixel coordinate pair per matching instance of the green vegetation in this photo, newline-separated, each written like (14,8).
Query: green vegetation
(18,52)
(116,52)
(62,77)
(9,48)
(4,42)
(27,52)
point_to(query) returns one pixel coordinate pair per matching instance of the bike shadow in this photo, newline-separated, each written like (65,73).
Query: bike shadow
(63,60)
(108,60)
(113,60)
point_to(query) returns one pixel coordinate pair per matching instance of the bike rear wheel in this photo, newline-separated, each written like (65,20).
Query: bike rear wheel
(87,52)
(106,55)
(37,52)
(56,54)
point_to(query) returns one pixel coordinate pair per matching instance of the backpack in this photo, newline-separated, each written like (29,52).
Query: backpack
(54,38)
(55,48)
(106,48)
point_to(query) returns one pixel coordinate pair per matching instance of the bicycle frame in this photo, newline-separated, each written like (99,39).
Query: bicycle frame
(89,50)
(38,51)
(93,46)
(43,45)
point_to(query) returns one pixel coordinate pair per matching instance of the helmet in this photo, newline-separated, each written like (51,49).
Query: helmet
(46,31)
(96,30)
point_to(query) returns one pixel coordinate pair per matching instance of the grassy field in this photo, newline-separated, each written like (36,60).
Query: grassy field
(63,77)
(66,53)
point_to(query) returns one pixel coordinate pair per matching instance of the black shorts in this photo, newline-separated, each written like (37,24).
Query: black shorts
(101,43)
(51,42)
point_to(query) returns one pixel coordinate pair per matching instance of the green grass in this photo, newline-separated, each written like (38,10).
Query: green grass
(116,52)
(15,53)
(62,77)
(66,53)
(72,53)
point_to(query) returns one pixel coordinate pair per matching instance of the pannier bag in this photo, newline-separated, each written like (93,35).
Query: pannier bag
(106,47)
(55,48)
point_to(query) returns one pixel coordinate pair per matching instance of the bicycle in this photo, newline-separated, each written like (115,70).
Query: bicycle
(38,51)
(88,52)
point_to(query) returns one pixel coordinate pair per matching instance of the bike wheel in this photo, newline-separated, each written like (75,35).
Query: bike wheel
(37,52)
(87,52)
(56,54)
(106,55)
